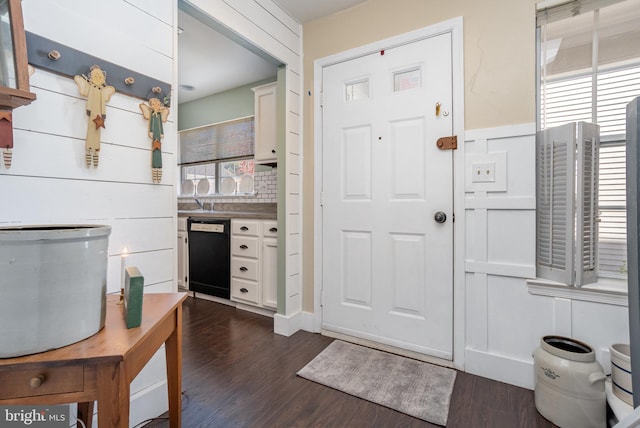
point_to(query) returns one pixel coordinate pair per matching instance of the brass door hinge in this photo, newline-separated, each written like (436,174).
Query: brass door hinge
(448,143)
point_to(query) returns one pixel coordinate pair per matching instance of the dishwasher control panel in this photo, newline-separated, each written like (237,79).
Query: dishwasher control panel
(207,227)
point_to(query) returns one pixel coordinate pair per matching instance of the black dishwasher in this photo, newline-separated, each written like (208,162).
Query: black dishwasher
(209,256)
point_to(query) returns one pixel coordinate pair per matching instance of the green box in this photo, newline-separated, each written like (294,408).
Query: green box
(133,290)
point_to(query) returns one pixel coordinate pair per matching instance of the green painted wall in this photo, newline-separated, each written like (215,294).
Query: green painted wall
(227,105)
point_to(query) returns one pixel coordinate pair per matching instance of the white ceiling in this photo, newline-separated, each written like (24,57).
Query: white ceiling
(210,63)
(308,10)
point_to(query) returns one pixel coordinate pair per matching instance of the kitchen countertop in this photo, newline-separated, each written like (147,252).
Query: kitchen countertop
(228,214)
(261,211)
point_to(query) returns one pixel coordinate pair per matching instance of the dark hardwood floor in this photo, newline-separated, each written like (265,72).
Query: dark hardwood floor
(238,373)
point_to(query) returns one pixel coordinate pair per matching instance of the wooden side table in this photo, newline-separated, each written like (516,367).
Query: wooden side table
(102,366)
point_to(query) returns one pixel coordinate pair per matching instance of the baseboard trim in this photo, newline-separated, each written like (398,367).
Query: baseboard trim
(255,309)
(500,368)
(148,403)
(286,325)
(310,322)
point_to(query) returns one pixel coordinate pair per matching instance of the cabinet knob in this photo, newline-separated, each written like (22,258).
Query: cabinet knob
(273,230)
(243,269)
(244,290)
(273,151)
(36,381)
(244,228)
(243,247)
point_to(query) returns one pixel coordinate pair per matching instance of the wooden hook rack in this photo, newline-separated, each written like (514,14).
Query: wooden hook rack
(60,59)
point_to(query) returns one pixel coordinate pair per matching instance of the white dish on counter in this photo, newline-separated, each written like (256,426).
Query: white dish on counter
(187,188)
(203,186)
(227,185)
(246,184)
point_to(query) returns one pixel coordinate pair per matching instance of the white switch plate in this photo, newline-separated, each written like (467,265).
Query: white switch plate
(494,181)
(483,173)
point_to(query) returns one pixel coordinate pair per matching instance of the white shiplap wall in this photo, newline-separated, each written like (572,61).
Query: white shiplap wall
(49,182)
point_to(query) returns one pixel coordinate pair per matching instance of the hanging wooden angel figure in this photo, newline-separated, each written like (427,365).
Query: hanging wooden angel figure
(6,136)
(98,94)
(156,113)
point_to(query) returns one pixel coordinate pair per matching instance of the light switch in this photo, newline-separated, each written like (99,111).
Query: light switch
(483,172)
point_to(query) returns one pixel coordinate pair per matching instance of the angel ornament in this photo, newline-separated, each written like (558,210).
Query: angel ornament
(156,113)
(94,87)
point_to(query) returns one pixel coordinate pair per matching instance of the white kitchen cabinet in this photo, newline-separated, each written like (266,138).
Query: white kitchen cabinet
(254,262)
(266,128)
(245,252)
(183,254)
(270,264)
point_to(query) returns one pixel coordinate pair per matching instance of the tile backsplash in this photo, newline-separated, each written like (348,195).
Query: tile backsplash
(265,186)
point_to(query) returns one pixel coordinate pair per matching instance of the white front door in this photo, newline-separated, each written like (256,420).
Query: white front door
(387,262)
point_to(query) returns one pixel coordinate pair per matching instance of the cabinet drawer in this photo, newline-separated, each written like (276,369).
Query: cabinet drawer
(270,229)
(244,268)
(244,246)
(245,227)
(43,381)
(246,291)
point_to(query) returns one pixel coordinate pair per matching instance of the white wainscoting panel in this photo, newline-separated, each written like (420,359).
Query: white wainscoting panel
(611,323)
(504,322)
(515,320)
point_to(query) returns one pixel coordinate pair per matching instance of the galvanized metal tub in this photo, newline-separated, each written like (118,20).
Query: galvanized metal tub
(53,283)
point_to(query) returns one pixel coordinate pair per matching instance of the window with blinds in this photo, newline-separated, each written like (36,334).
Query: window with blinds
(217,159)
(589,70)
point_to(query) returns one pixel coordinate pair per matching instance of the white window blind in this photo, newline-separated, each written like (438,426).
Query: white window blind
(612,238)
(616,88)
(569,99)
(220,141)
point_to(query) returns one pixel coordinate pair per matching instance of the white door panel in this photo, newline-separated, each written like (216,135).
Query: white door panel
(387,265)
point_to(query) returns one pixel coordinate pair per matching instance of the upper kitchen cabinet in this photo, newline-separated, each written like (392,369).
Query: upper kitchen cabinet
(266,128)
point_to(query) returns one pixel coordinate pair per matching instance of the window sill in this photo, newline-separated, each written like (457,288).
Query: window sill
(220,196)
(606,291)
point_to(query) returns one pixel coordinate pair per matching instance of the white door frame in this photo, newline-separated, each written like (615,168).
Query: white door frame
(453,26)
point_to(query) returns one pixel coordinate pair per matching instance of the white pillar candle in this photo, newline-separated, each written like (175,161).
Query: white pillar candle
(123,266)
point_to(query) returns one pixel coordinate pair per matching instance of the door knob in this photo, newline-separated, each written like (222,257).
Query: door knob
(440,217)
